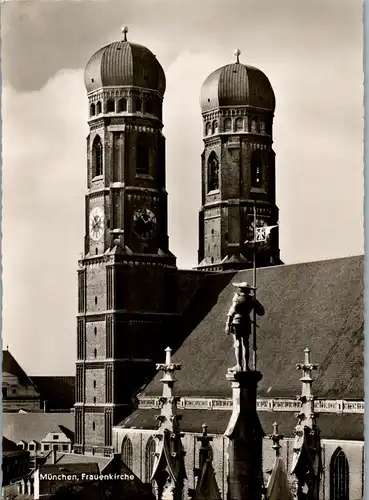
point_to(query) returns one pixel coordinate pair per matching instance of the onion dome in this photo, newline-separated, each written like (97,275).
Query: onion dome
(124,64)
(237,85)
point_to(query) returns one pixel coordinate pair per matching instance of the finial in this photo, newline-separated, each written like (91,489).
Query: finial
(237,53)
(168,357)
(276,437)
(124,30)
(7,348)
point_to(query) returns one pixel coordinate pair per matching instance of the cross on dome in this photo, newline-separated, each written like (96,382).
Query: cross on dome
(124,30)
(237,53)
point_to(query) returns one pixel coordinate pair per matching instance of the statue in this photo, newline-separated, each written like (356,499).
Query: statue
(239,323)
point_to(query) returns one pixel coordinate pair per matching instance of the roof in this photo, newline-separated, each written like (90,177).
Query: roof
(343,426)
(74,458)
(10,365)
(124,64)
(74,468)
(58,392)
(9,445)
(237,85)
(34,426)
(316,304)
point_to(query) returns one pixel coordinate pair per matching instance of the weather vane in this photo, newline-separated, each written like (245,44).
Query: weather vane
(237,53)
(124,30)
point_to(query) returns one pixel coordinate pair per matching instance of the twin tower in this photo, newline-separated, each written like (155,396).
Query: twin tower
(127,278)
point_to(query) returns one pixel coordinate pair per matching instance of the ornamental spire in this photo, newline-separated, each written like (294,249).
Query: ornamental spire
(168,416)
(307,398)
(124,30)
(237,53)
(276,437)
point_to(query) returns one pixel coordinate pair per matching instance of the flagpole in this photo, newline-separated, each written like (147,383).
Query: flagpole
(254,348)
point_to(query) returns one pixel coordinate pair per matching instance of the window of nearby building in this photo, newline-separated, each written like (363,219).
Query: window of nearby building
(31,447)
(65,447)
(149,459)
(56,436)
(97,160)
(55,447)
(257,168)
(213,172)
(127,452)
(227,125)
(46,447)
(339,476)
(5,392)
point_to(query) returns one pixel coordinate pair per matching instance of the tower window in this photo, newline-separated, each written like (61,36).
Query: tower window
(98,107)
(95,330)
(227,125)
(253,126)
(94,399)
(339,476)
(92,109)
(94,384)
(95,352)
(256,168)
(138,105)
(215,127)
(208,129)
(122,105)
(110,106)
(213,172)
(149,106)
(239,124)
(97,163)
(142,159)
(93,426)
(95,301)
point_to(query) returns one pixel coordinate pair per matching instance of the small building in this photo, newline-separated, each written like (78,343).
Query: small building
(15,461)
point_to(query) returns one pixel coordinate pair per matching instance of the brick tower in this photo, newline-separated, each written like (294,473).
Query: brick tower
(126,278)
(238,168)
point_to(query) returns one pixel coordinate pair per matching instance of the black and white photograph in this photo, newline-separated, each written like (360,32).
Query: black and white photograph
(182,250)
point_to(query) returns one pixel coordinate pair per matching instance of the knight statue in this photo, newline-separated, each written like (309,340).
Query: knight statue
(239,323)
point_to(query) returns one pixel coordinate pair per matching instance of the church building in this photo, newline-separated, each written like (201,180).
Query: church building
(134,304)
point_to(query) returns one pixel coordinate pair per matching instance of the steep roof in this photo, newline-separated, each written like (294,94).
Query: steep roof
(345,426)
(58,392)
(278,487)
(34,426)
(10,365)
(314,304)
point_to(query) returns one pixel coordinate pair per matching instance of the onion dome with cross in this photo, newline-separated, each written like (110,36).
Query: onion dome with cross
(124,63)
(237,85)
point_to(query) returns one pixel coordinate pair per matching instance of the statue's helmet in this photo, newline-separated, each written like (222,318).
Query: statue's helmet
(244,286)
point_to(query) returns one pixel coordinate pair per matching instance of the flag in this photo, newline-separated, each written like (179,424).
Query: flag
(261,234)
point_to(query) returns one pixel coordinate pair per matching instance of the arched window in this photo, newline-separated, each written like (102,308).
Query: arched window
(257,168)
(92,109)
(339,476)
(149,458)
(213,172)
(138,105)
(127,452)
(95,352)
(98,107)
(239,124)
(122,105)
(208,129)
(215,127)
(97,163)
(253,126)
(142,165)
(110,106)
(149,106)
(262,127)
(227,125)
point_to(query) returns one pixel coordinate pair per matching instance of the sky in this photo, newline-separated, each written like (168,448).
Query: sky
(312,53)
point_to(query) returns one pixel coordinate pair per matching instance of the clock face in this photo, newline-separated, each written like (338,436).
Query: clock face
(144,223)
(96,223)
